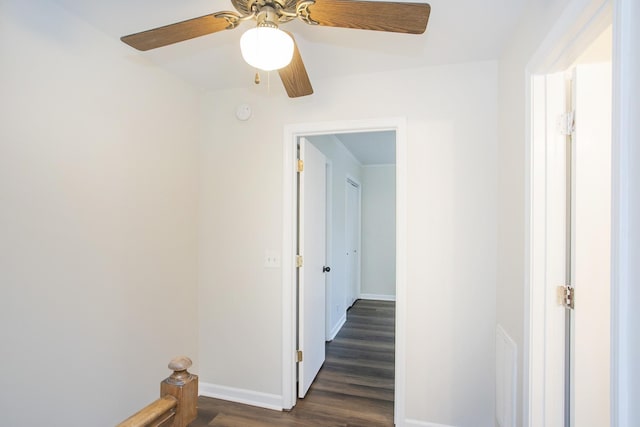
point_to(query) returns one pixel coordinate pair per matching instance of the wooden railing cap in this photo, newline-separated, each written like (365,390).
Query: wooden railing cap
(180,363)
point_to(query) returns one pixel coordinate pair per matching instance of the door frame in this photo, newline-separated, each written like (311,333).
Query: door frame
(579,25)
(357,185)
(291,134)
(549,242)
(625,215)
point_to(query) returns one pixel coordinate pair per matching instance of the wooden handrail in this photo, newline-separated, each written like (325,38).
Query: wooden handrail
(157,412)
(177,406)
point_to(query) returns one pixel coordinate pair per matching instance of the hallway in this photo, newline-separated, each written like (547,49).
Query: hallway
(355,386)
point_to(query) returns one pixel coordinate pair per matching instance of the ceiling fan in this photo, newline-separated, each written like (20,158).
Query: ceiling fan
(261,51)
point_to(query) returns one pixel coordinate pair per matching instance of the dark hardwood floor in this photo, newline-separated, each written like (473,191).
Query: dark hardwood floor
(354,388)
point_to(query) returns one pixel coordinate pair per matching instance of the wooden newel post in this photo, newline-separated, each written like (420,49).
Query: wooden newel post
(184,387)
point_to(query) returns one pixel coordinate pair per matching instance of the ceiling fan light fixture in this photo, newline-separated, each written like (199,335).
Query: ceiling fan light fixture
(266,47)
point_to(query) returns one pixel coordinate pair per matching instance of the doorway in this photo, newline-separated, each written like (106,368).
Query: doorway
(292,134)
(354,158)
(570,232)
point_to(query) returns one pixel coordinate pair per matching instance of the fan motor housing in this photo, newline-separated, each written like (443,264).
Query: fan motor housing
(247,7)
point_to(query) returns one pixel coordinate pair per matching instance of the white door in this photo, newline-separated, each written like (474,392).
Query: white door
(591,247)
(311,279)
(352,237)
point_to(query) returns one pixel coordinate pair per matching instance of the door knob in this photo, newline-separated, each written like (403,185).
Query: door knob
(326,269)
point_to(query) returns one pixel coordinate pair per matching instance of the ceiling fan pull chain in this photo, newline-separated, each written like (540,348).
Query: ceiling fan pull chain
(256,80)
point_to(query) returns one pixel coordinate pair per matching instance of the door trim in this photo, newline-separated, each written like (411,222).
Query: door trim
(353,181)
(291,134)
(580,23)
(625,215)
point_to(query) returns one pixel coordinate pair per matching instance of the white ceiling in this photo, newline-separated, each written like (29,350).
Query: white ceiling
(371,148)
(458,31)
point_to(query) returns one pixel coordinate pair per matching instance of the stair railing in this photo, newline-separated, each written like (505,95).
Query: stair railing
(177,406)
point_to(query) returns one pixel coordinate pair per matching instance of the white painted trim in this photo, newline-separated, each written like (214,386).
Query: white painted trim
(535,226)
(336,329)
(289,199)
(576,28)
(416,423)
(547,232)
(527,384)
(354,182)
(401,269)
(378,297)
(291,134)
(247,397)
(580,23)
(625,217)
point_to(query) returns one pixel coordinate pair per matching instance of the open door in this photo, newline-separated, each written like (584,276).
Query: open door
(312,249)
(591,243)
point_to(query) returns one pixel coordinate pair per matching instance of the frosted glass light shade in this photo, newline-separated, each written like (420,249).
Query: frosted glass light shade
(266,48)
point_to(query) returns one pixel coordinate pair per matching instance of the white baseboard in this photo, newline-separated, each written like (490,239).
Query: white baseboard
(248,397)
(337,327)
(378,297)
(416,423)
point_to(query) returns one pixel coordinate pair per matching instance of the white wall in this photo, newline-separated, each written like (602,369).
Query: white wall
(379,231)
(451,113)
(537,20)
(98,202)
(343,164)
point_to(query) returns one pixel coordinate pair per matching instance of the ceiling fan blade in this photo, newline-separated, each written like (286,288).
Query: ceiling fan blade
(408,18)
(294,76)
(174,33)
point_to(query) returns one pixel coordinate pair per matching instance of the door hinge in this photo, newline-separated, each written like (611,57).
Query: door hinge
(299,261)
(299,356)
(567,123)
(567,296)
(300,166)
